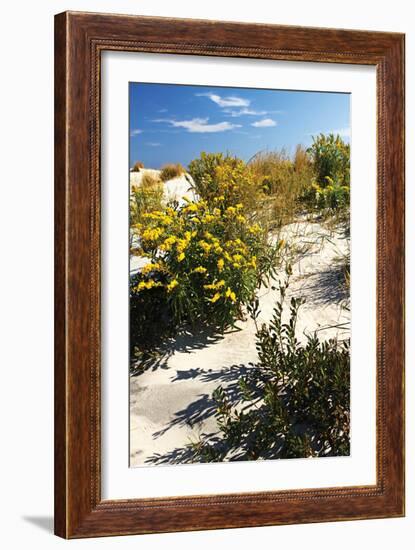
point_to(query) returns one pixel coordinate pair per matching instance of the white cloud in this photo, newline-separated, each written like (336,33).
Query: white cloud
(229,101)
(264,123)
(199,125)
(244,111)
(135,132)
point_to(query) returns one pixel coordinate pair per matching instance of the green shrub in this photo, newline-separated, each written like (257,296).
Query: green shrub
(331,159)
(295,403)
(332,196)
(151,320)
(329,191)
(145,197)
(203,172)
(137,166)
(171,171)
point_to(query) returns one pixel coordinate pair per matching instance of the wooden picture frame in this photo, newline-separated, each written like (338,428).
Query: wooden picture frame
(79,40)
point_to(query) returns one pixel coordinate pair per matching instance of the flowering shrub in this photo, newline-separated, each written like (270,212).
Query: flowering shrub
(203,172)
(216,175)
(333,196)
(207,260)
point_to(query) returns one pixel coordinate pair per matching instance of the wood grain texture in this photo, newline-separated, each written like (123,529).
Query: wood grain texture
(79,40)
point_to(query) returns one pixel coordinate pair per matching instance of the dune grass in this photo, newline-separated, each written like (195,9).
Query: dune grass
(170,171)
(145,198)
(137,166)
(283,180)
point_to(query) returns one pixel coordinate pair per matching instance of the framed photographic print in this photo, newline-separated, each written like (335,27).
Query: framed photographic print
(229,280)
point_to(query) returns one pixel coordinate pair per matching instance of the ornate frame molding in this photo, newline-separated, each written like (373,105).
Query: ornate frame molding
(79,40)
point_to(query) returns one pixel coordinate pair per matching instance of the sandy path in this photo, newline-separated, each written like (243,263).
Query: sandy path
(170,403)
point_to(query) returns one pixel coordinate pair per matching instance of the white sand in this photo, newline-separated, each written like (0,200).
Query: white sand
(174,189)
(170,403)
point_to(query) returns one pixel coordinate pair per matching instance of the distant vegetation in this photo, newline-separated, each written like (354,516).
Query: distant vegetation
(170,171)
(330,187)
(146,197)
(284,180)
(137,166)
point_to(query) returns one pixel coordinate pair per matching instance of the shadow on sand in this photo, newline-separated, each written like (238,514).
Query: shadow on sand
(325,287)
(201,409)
(186,341)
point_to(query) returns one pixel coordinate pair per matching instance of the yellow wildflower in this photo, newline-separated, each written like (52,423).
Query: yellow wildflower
(221,263)
(254,228)
(206,246)
(215,286)
(166,220)
(142,285)
(182,244)
(253,262)
(147,285)
(167,244)
(181,256)
(200,269)
(152,234)
(172,285)
(215,298)
(192,207)
(208,218)
(239,206)
(241,219)
(151,267)
(231,295)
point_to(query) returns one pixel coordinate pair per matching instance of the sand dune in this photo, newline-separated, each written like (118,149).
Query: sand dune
(174,189)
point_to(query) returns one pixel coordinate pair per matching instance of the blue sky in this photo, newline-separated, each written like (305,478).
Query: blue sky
(174,123)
